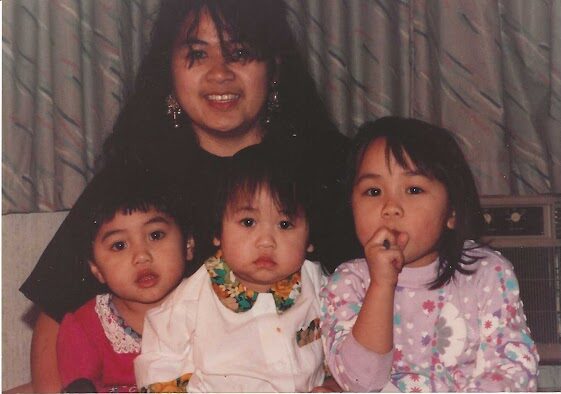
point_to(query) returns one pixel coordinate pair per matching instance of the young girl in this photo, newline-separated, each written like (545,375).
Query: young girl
(428,308)
(248,319)
(136,248)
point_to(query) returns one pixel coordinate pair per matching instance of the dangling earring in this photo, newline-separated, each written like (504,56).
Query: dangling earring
(273,103)
(174,110)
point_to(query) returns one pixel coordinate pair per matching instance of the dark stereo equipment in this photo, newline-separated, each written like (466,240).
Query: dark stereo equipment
(527,231)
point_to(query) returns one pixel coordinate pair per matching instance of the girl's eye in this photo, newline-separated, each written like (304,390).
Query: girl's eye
(415,190)
(285,225)
(247,222)
(118,246)
(157,235)
(373,192)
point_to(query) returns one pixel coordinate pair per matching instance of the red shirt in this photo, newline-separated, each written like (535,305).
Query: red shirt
(84,351)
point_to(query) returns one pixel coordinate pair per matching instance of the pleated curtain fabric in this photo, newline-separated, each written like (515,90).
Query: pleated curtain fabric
(66,67)
(488,70)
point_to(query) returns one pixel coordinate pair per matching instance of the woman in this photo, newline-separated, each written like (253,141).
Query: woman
(220,75)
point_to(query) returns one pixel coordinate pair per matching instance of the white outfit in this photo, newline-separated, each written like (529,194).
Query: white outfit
(227,351)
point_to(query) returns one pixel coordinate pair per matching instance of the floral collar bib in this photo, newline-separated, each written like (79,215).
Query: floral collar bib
(235,296)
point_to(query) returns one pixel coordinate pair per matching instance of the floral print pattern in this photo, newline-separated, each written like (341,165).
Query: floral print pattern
(238,298)
(309,334)
(450,335)
(469,335)
(413,383)
(178,385)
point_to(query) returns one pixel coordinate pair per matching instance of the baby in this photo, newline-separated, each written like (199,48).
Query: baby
(248,319)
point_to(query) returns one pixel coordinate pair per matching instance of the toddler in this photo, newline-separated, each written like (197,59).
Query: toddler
(248,319)
(136,248)
(428,308)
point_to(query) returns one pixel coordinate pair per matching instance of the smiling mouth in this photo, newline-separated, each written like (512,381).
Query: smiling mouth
(222,98)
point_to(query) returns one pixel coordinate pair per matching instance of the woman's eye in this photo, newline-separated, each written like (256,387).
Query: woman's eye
(119,245)
(195,55)
(240,55)
(373,192)
(247,222)
(415,190)
(157,235)
(285,225)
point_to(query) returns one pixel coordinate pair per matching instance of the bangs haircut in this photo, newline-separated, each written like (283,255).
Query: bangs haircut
(235,23)
(435,154)
(130,190)
(242,193)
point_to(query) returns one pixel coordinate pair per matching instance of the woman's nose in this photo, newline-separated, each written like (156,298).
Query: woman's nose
(220,71)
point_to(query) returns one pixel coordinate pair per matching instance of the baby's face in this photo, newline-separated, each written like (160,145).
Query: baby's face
(140,256)
(261,244)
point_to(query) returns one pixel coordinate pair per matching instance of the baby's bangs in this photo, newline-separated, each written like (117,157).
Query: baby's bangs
(284,196)
(287,200)
(241,195)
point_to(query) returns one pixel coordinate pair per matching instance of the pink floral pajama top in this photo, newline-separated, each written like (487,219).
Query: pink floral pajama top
(470,335)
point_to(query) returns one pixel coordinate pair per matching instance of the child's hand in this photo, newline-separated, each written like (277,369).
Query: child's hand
(384,254)
(328,386)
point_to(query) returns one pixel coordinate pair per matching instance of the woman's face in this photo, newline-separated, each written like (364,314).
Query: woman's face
(222,93)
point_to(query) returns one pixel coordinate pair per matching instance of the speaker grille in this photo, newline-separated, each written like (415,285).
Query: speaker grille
(539,275)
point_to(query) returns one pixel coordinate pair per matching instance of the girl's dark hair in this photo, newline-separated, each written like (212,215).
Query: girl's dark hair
(129,189)
(262,26)
(436,154)
(259,167)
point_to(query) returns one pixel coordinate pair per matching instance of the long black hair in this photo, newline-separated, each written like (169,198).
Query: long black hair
(262,25)
(436,154)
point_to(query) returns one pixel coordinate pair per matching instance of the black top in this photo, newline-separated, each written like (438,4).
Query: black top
(61,281)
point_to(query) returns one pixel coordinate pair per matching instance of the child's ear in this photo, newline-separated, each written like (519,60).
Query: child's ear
(451,222)
(310,248)
(96,272)
(216,242)
(189,249)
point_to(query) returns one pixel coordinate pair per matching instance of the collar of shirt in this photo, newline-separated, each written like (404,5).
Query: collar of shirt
(235,296)
(417,278)
(123,338)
